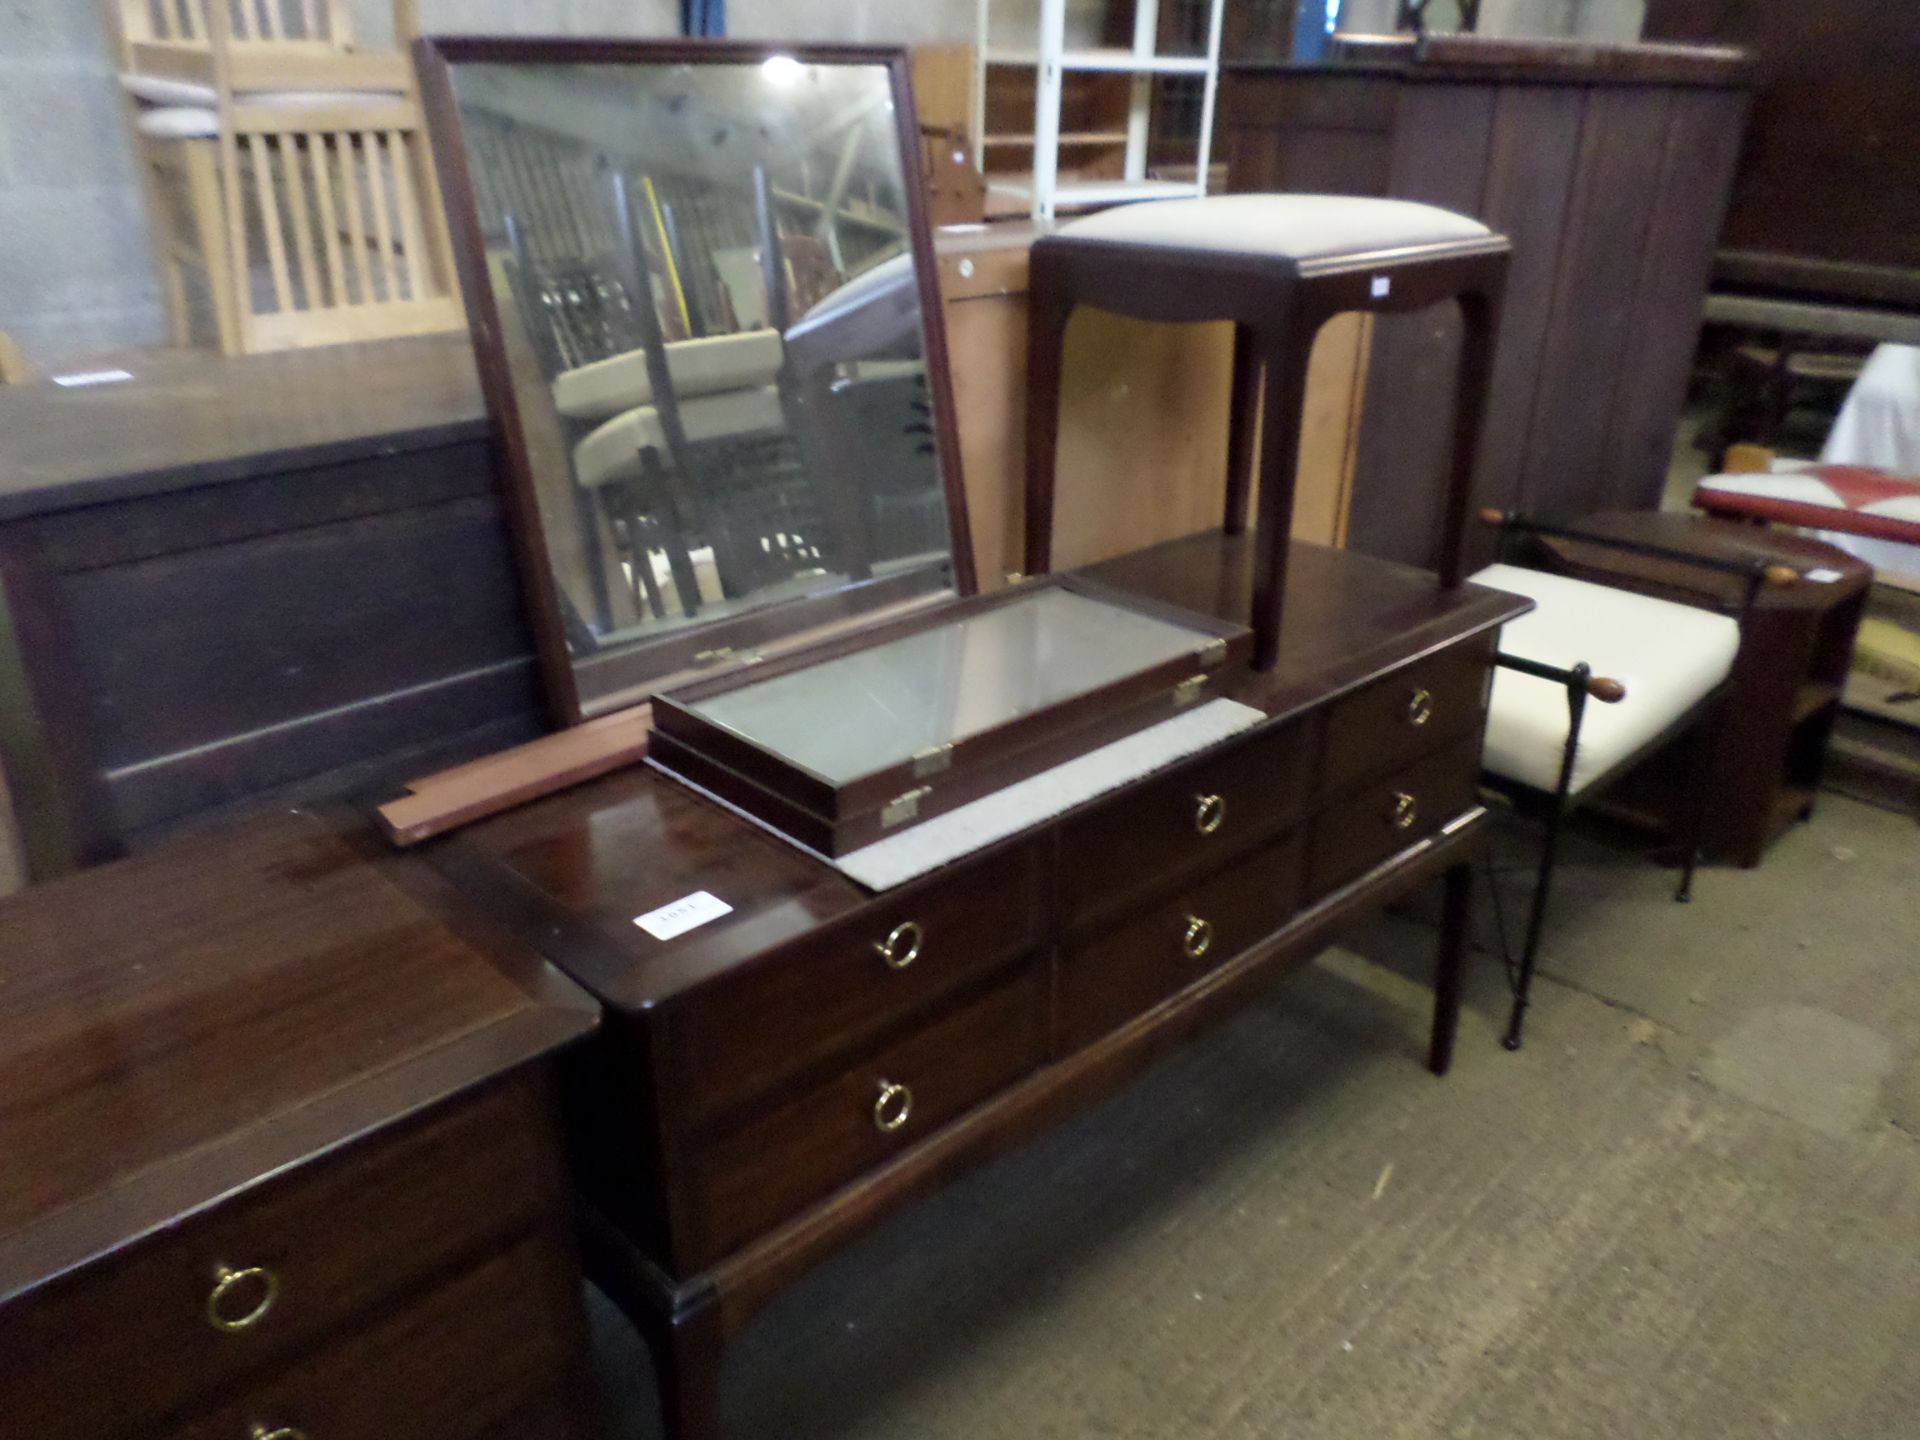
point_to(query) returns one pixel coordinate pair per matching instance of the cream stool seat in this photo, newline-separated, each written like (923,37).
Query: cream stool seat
(612,451)
(749,360)
(1283,227)
(1669,657)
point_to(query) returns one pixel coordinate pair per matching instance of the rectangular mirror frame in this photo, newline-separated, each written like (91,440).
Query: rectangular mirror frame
(435,55)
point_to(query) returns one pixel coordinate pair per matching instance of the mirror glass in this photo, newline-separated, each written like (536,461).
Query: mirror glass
(709,318)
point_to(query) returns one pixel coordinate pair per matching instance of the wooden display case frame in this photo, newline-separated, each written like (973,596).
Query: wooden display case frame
(833,817)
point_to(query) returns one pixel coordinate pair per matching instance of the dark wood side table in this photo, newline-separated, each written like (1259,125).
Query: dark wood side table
(238,584)
(280,1155)
(1787,677)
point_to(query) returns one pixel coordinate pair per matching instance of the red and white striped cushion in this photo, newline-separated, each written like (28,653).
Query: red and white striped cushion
(1851,498)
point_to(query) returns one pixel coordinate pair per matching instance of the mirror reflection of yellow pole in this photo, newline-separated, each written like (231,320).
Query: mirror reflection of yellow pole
(666,249)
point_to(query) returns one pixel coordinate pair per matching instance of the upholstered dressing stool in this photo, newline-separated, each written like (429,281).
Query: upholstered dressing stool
(1278,267)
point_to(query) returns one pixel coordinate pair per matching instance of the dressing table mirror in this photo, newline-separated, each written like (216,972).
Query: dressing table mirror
(702,294)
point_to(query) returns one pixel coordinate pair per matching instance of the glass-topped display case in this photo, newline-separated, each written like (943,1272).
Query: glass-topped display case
(845,743)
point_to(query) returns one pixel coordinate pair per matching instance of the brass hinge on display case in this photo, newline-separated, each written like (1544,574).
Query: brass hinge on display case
(903,807)
(932,760)
(727,655)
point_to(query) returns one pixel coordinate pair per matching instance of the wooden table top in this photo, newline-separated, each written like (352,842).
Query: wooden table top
(191,417)
(1720,540)
(577,867)
(1489,59)
(177,1026)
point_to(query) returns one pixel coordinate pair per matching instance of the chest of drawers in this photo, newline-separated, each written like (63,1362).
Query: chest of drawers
(771,1083)
(282,1155)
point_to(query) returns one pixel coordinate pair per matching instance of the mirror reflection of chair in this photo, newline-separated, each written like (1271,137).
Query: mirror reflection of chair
(684,441)
(648,235)
(856,367)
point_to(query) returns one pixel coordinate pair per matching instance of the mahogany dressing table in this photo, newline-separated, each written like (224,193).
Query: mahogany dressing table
(785,1057)
(769,1085)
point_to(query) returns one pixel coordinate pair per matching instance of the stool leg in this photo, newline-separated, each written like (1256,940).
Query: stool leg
(1284,393)
(1479,327)
(1048,307)
(1241,416)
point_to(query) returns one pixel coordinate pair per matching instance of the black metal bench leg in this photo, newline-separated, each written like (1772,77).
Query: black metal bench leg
(1536,924)
(1703,752)
(1576,682)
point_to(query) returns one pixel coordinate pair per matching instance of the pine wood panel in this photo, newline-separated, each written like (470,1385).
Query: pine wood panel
(1143,441)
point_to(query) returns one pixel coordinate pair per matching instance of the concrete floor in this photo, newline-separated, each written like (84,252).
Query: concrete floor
(1689,1208)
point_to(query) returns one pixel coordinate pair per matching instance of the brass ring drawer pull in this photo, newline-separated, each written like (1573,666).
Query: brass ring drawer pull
(1209,813)
(1405,811)
(893,1107)
(1198,938)
(229,1292)
(902,945)
(1420,707)
(274,1432)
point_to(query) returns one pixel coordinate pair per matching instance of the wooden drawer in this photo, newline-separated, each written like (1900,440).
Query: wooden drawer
(776,1164)
(1380,727)
(1359,831)
(486,1350)
(1109,979)
(796,1008)
(338,1237)
(1193,818)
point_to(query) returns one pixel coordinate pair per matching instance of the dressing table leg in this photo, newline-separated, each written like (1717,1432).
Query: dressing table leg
(1456,916)
(680,1325)
(687,1350)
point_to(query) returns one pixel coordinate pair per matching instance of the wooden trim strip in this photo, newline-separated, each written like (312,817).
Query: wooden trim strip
(470,792)
(409,207)
(370,148)
(319,154)
(260,157)
(291,151)
(348,146)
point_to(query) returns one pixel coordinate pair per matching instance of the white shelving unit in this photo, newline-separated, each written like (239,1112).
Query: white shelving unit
(1052,62)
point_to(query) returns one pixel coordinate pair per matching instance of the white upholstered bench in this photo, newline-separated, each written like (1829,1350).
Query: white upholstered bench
(1659,669)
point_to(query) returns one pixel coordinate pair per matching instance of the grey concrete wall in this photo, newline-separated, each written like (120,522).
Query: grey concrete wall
(76,273)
